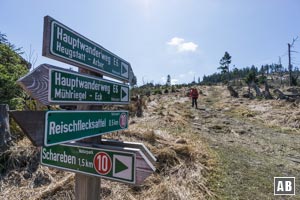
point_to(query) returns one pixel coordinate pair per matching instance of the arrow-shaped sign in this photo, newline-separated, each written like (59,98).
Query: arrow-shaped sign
(55,127)
(122,164)
(135,145)
(66,45)
(53,85)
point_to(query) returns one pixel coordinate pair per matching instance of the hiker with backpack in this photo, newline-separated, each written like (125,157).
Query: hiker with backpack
(194,95)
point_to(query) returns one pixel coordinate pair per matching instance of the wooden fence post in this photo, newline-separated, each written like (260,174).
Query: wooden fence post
(5,136)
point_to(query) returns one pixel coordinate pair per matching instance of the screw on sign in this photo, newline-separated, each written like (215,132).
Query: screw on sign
(102,163)
(123,120)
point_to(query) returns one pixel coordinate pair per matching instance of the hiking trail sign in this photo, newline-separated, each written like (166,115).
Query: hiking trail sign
(122,164)
(52,85)
(64,44)
(56,127)
(64,126)
(127,162)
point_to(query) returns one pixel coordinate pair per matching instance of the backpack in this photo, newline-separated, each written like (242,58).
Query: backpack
(194,93)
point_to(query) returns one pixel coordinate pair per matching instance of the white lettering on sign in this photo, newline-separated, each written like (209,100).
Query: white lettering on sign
(85,163)
(84,151)
(116,62)
(59,157)
(97,63)
(69,52)
(75,126)
(77,43)
(113,122)
(98,96)
(60,80)
(115,89)
(69,94)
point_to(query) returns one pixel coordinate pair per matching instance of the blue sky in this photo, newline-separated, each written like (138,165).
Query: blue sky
(183,38)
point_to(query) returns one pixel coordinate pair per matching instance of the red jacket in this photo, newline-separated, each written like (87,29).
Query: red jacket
(194,93)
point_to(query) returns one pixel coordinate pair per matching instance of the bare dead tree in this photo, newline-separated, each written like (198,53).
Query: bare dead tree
(290,61)
(31,57)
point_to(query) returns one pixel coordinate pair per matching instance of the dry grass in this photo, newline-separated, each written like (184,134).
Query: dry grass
(20,156)
(183,160)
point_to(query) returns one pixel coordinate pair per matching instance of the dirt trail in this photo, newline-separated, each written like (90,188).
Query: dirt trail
(251,146)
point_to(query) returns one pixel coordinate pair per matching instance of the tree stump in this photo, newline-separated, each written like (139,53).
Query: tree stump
(257,90)
(139,104)
(267,93)
(232,92)
(5,136)
(280,94)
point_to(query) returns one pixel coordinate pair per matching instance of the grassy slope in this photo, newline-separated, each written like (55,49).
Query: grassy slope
(247,161)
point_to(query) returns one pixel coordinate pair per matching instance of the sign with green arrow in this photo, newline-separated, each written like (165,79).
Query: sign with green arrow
(119,165)
(64,44)
(64,126)
(52,85)
(73,88)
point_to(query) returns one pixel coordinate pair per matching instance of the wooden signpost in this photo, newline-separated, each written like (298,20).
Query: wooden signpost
(126,162)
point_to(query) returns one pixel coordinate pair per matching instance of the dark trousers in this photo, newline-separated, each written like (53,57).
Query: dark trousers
(194,102)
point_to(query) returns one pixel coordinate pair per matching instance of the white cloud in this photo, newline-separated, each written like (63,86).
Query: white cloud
(188,46)
(175,41)
(182,46)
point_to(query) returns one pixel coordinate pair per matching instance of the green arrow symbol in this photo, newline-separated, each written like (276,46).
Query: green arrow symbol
(124,94)
(120,166)
(124,70)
